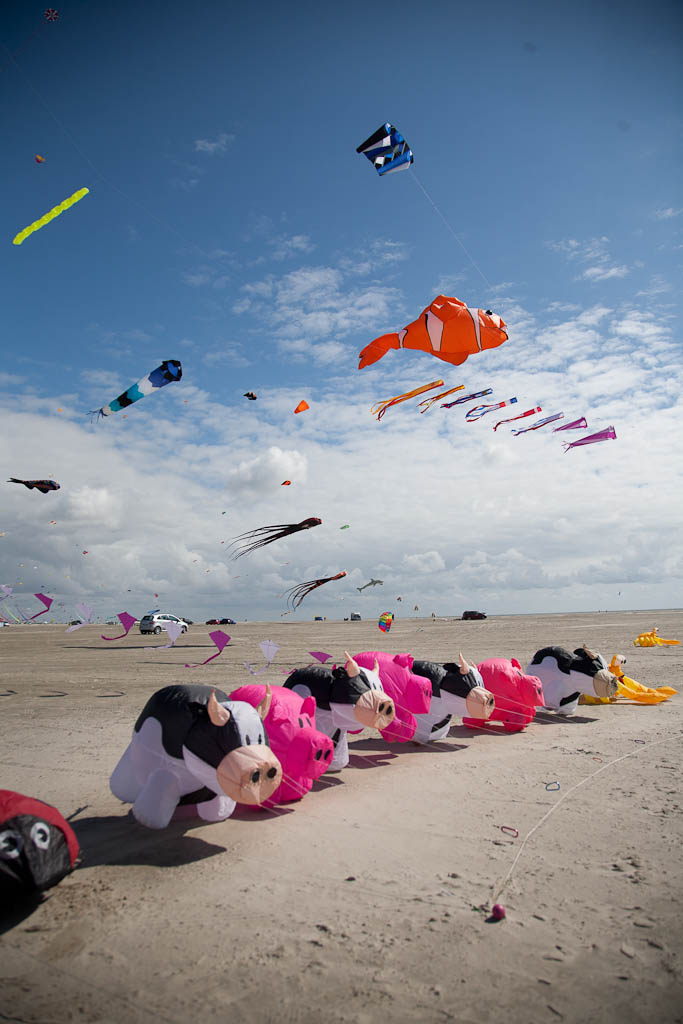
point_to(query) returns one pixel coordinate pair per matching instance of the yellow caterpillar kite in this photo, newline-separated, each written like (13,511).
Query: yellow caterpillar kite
(47,217)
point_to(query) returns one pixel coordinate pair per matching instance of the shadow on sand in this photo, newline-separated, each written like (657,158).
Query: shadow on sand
(121,840)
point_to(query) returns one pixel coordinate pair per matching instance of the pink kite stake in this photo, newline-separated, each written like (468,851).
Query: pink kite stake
(221,641)
(47,601)
(127,621)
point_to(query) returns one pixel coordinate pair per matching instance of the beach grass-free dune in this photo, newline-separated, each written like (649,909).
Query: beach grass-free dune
(363,902)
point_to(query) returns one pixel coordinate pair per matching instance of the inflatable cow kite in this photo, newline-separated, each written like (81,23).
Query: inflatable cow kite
(565,676)
(303,751)
(517,695)
(193,745)
(348,699)
(411,693)
(37,845)
(456,690)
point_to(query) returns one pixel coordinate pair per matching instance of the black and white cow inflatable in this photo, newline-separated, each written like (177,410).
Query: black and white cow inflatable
(193,745)
(347,699)
(565,676)
(456,690)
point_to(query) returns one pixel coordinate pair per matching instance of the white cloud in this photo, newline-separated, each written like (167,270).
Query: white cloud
(429,561)
(217,145)
(315,304)
(668,213)
(593,252)
(658,286)
(229,353)
(604,273)
(288,245)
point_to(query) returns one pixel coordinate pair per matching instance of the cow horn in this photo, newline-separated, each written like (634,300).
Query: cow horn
(263,707)
(351,667)
(218,714)
(375,667)
(588,651)
(464,667)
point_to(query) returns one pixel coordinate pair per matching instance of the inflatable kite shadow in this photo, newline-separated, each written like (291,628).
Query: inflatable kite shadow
(118,840)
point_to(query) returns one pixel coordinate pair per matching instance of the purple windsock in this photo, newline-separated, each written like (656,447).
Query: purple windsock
(579,424)
(608,434)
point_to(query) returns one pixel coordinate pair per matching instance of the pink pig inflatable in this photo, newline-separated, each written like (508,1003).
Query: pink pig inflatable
(517,695)
(303,751)
(411,693)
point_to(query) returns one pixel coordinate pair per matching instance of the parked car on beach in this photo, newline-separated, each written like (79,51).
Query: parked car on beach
(156,622)
(220,622)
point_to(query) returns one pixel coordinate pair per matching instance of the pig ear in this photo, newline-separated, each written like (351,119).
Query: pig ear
(513,661)
(264,706)
(351,667)
(217,713)
(308,707)
(464,667)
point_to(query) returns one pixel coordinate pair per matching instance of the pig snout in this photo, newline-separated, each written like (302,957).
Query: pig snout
(375,709)
(312,752)
(480,703)
(605,683)
(249,775)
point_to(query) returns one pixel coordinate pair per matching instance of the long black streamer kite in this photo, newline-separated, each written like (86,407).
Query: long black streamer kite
(253,539)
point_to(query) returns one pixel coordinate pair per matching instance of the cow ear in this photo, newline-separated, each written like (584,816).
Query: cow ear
(351,667)
(217,713)
(375,667)
(264,706)
(464,667)
(308,707)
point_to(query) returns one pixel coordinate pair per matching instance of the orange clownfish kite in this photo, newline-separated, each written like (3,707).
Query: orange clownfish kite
(447,329)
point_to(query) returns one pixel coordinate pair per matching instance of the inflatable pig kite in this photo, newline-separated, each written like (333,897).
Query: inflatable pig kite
(303,751)
(516,695)
(193,745)
(456,690)
(347,699)
(411,693)
(566,676)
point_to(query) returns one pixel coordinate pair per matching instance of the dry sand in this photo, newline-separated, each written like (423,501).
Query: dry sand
(356,904)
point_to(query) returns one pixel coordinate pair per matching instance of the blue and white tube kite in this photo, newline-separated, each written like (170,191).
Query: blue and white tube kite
(169,371)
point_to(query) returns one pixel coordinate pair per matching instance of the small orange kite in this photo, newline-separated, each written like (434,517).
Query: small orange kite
(286,483)
(302,406)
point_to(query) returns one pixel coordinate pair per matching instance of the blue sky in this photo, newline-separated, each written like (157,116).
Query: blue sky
(230,224)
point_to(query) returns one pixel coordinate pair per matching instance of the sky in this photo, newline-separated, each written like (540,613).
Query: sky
(231,224)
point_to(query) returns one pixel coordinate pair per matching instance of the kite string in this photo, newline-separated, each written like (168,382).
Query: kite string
(455,236)
(554,807)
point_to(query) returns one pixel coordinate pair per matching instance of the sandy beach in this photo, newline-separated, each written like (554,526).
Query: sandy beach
(359,903)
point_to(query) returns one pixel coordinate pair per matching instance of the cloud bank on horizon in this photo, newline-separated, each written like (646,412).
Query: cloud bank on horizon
(228,243)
